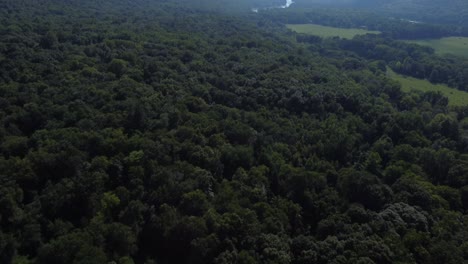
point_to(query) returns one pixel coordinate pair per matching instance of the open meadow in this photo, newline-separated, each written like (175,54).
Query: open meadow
(326,32)
(456,97)
(451,45)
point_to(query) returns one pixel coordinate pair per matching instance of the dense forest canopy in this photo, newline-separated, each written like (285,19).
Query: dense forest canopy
(166,132)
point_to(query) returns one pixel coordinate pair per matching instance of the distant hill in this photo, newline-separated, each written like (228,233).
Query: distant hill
(230,5)
(443,11)
(434,11)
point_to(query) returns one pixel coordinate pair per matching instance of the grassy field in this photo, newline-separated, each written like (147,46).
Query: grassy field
(456,97)
(452,45)
(323,31)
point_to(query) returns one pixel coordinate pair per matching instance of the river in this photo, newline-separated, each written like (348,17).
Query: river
(286,5)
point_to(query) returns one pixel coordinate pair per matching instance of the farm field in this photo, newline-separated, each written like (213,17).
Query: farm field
(451,45)
(456,97)
(326,32)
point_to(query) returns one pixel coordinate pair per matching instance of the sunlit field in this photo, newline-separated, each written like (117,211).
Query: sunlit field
(326,32)
(456,97)
(452,45)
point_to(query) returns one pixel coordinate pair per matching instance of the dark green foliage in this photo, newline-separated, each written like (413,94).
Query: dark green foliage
(147,132)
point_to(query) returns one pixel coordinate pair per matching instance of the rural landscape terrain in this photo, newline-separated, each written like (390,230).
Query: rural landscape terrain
(233,132)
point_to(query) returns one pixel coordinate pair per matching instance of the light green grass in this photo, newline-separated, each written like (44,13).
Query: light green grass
(457,46)
(455,97)
(326,32)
